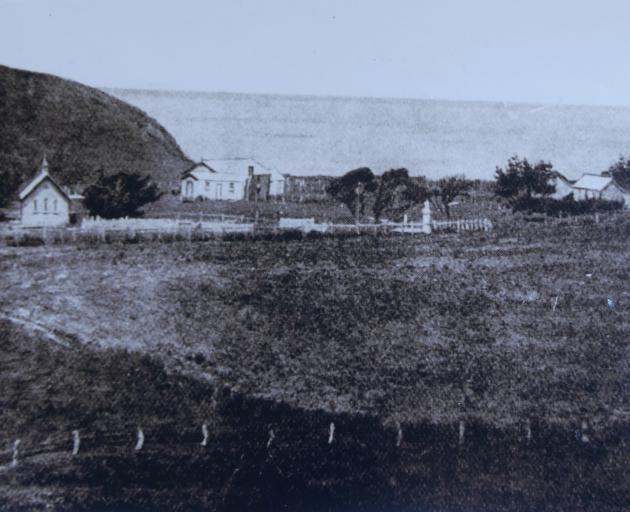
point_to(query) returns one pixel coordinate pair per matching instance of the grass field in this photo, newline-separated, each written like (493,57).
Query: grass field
(491,329)
(493,326)
(478,204)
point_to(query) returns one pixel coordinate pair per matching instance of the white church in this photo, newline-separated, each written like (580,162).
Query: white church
(43,202)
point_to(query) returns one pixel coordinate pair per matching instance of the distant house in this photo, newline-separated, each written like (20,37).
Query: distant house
(43,202)
(564,186)
(595,186)
(298,189)
(231,179)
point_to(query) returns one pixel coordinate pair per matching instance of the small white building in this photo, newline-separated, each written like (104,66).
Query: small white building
(594,186)
(43,202)
(228,179)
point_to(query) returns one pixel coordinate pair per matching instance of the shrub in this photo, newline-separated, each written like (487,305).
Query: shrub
(25,241)
(314,235)
(566,206)
(289,235)
(120,195)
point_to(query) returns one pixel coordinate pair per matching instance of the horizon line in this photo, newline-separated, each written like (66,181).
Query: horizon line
(331,96)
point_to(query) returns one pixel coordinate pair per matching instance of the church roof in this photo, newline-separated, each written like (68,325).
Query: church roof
(39,178)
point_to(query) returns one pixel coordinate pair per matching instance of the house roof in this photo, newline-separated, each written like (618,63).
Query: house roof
(236,169)
(198,170)
(593,182)
(239,167)
(562,177)
(39,178)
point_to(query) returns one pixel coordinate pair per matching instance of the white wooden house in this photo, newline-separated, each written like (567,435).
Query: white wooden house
(43,202)
(595,186)
(228,179)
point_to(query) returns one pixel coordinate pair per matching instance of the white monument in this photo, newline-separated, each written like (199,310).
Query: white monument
(426,218)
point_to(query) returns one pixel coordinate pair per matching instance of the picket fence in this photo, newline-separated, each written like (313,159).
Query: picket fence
(460,225)
(201,228)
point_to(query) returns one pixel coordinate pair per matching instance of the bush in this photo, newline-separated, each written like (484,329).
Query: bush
(567,206)
(120,195)
(314,235)
(25,241)
(289,235)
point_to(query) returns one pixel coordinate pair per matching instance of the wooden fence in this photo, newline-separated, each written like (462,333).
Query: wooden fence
(79,442)
(100,231)
(460,225)
(185,228)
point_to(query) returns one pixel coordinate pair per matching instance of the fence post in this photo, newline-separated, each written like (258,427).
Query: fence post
(462,430)
(528,433)
(76,442)
(426,218)
(584,432)
(140,441)
(331,433)
(204,432)
(399,435)
(14,460)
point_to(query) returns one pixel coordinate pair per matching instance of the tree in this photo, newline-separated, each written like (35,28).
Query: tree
(521,180)
(120,195)
(396,194)
(447,189)
(9,183)
(620,171)
(353,188)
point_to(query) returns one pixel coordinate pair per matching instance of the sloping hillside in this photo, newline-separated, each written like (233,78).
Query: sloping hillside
(80,129)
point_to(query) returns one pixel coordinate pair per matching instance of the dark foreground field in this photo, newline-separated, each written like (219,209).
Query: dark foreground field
(493,332)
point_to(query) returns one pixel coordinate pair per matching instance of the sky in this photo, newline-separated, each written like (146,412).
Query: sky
(535,51)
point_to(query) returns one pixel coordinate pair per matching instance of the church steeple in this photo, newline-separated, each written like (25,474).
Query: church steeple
(44,165)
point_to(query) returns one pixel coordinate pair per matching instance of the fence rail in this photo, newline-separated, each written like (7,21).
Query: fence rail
(194,228)
(462,225)
(122,229)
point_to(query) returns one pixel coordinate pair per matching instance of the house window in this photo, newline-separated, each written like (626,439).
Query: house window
(35,205)
(207,184)
(55,205)
(45,204)
(231,186)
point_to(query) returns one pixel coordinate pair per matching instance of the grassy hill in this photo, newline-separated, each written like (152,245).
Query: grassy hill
(80,129)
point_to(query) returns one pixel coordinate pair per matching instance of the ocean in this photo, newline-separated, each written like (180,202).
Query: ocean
(308,135)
